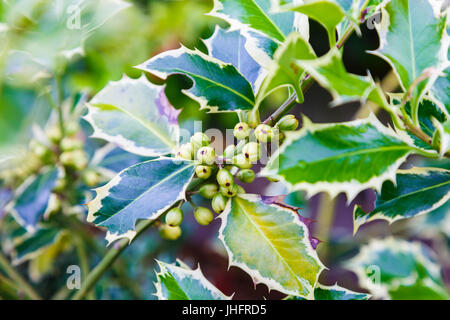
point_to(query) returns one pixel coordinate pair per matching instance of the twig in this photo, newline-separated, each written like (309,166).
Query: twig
(16,277)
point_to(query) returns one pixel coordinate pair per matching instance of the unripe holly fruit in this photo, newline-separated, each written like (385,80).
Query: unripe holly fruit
(287,123)
(76,159)
(272,179)
(263,133)
(41,151)
(209,190)
(230,191)
(185,151)
(203,172)
(241,131)
(170,233)
(174,217)
(91,178)
(206,155)
(240,189)
(253,118)
(71,128)
(54,134)
(229,153)
(60,184)
(68,144)
(242,162)
(224,178)
(198,140)
(219,202)
(246,175)
(203,215)
(252,151)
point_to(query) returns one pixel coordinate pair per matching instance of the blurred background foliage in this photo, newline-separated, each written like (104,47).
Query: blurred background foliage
(130,37)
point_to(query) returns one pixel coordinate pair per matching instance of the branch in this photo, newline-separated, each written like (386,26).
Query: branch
(15,276)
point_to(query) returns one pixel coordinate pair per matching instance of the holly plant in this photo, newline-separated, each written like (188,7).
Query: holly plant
(264,48)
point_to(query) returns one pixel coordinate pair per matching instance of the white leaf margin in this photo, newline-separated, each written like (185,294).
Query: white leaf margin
(350,188)
(183,272)
(256,276)
(120,140)
(202,100)
(102,192)
(357,223)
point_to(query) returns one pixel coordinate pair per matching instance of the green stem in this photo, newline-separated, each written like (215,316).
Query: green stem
(82,257)
(16,277)
(108,260)
(8,290)
(332,38)
(60,90)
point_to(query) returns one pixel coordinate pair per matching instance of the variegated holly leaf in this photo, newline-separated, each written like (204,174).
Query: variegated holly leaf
(271,244)
(33,198)
(283,71)
(397,269)
(341,157)
(335,292)
(414,41)
(217,86)
(329,71)
(135,115)
(315,9)
(142,191)
(417,191)
(229,46)
(264,29)
(179,282)
(32,244)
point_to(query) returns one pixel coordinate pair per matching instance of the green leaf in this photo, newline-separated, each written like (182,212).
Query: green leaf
(32,244)
(33,198)
(417,191)
(229,46)
(264,29)
(315,9)
(396,269)
(217,86)
(335,292)
(342,157)
(142,191)
(271,244)
(135,115)
(413,40)
(179,282)
(283,71)
(329,71)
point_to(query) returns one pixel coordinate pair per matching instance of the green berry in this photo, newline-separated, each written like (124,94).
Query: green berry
(230,191)
(206,155)
(224,178)
(253,118)
(263,133)
(199,140)
(54,134)
(252,151)
(209,190)
(170,233)
(174,217)
(271,179)
(242,162)
(71,128)
(241,131)
(240,189)
(246,175)
(41,151)
(185,151)
(287,123)
(203,172)
(203,215)
(68,144)
(219,202)
(229,152)
(76,159)
(91,178)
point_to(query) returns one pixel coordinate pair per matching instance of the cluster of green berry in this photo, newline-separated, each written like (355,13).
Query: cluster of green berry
(236,161)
